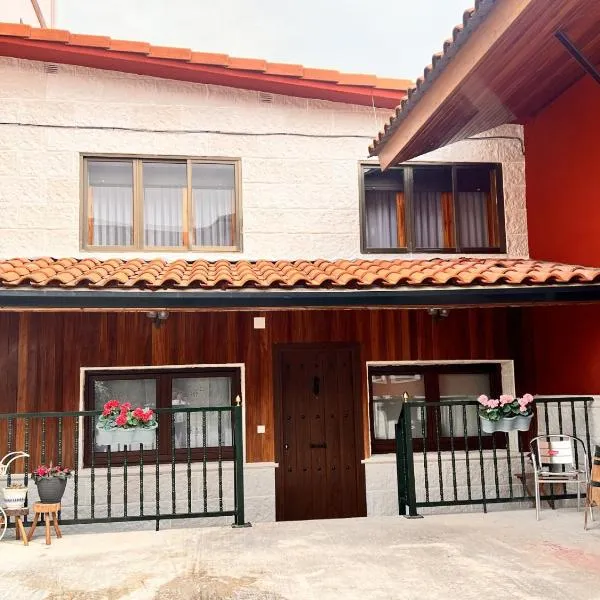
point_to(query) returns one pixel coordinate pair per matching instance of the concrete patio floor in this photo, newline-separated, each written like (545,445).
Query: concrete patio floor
(502,555)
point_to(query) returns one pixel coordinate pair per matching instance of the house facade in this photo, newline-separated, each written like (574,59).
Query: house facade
(183,229)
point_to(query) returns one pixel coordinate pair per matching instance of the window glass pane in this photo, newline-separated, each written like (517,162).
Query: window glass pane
(477,221)
(461,386)
(165,193)
(384,208)
(388,391)
(202,392)
(138,392)
(110,197)
(213,199)
(432,207)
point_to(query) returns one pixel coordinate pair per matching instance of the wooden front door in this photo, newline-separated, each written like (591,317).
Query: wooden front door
(320,475)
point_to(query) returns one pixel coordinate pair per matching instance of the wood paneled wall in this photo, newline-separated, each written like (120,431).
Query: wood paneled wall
(41,353)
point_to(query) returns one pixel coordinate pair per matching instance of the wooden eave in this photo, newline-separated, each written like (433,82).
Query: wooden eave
(507,68)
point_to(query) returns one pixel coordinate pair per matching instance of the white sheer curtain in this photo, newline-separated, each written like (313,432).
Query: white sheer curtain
(214,211)
(473,219)
(464,386)
(428,220)
(112,212)
(110,198)
(202,392)
(382,219)
(214,204)
(163,216)
(165,185)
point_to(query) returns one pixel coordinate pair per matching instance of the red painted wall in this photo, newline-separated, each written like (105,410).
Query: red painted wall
(564,353)
(562,145)
(562,167)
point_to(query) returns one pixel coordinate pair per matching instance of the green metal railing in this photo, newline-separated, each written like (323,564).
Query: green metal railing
(467,467)
(192,469)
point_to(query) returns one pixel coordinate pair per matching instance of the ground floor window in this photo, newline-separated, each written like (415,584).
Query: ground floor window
(199,435)
(434,427)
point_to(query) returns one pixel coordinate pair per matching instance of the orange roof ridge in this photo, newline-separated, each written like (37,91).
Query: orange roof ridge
(41,44)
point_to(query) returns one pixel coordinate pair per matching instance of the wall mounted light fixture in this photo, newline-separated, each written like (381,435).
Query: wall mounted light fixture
(437,313)
(157,317)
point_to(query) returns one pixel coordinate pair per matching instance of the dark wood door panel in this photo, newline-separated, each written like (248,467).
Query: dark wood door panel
(320,475)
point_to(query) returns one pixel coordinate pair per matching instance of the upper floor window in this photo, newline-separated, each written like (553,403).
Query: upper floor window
(175,204)
(432,208)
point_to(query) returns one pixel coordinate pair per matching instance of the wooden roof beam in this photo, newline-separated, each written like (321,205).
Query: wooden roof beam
(476,47)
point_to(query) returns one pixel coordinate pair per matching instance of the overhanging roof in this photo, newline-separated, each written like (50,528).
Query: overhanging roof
(184,64)
(129,284)
(503,65)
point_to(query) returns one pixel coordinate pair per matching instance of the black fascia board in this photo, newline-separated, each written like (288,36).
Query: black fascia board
(297,298)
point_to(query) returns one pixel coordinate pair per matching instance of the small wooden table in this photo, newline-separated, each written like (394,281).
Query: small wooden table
(17,514)
(50,512)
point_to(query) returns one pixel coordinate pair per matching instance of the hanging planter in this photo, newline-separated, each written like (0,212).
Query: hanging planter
(523,422)
(506,413)
(119,425)
(132,437)
(502,424)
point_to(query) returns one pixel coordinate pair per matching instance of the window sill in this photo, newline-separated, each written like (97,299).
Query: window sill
(168,250)
(491,253)
(445,456)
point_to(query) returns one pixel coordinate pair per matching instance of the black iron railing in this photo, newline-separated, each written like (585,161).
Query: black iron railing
(444,458)
(192,467)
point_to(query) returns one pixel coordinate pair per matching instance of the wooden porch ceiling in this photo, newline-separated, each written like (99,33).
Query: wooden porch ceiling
(507,67)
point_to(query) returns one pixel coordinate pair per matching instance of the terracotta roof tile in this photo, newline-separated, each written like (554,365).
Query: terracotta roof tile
(285,69)
(16,29)
(127,46)
(248,64)
(53,42)
(46,35)
(170,53)
(209,58)
(322,75)
(156,274)
(358,79)
(472,17)
(93,41)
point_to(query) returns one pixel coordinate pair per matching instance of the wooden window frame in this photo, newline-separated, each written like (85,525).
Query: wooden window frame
(86,234)
(164,377)
(498,233)
(431,373)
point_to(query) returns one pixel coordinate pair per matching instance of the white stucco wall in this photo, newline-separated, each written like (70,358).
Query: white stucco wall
(300,194)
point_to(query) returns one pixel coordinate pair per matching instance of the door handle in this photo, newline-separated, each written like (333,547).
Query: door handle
(321,445)
(286,446)
(316,386)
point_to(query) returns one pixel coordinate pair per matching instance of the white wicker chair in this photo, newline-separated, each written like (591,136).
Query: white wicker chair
(4,464)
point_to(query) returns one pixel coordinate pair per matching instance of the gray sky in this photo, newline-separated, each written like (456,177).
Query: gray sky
(393,38)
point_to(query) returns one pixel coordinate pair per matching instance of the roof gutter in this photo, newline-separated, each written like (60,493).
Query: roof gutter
(58,299)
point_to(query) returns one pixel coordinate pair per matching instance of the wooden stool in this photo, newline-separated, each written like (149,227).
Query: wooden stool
(17,514)
(50,511)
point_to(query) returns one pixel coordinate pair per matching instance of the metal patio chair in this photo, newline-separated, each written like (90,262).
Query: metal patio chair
(4,464)
(562,451)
